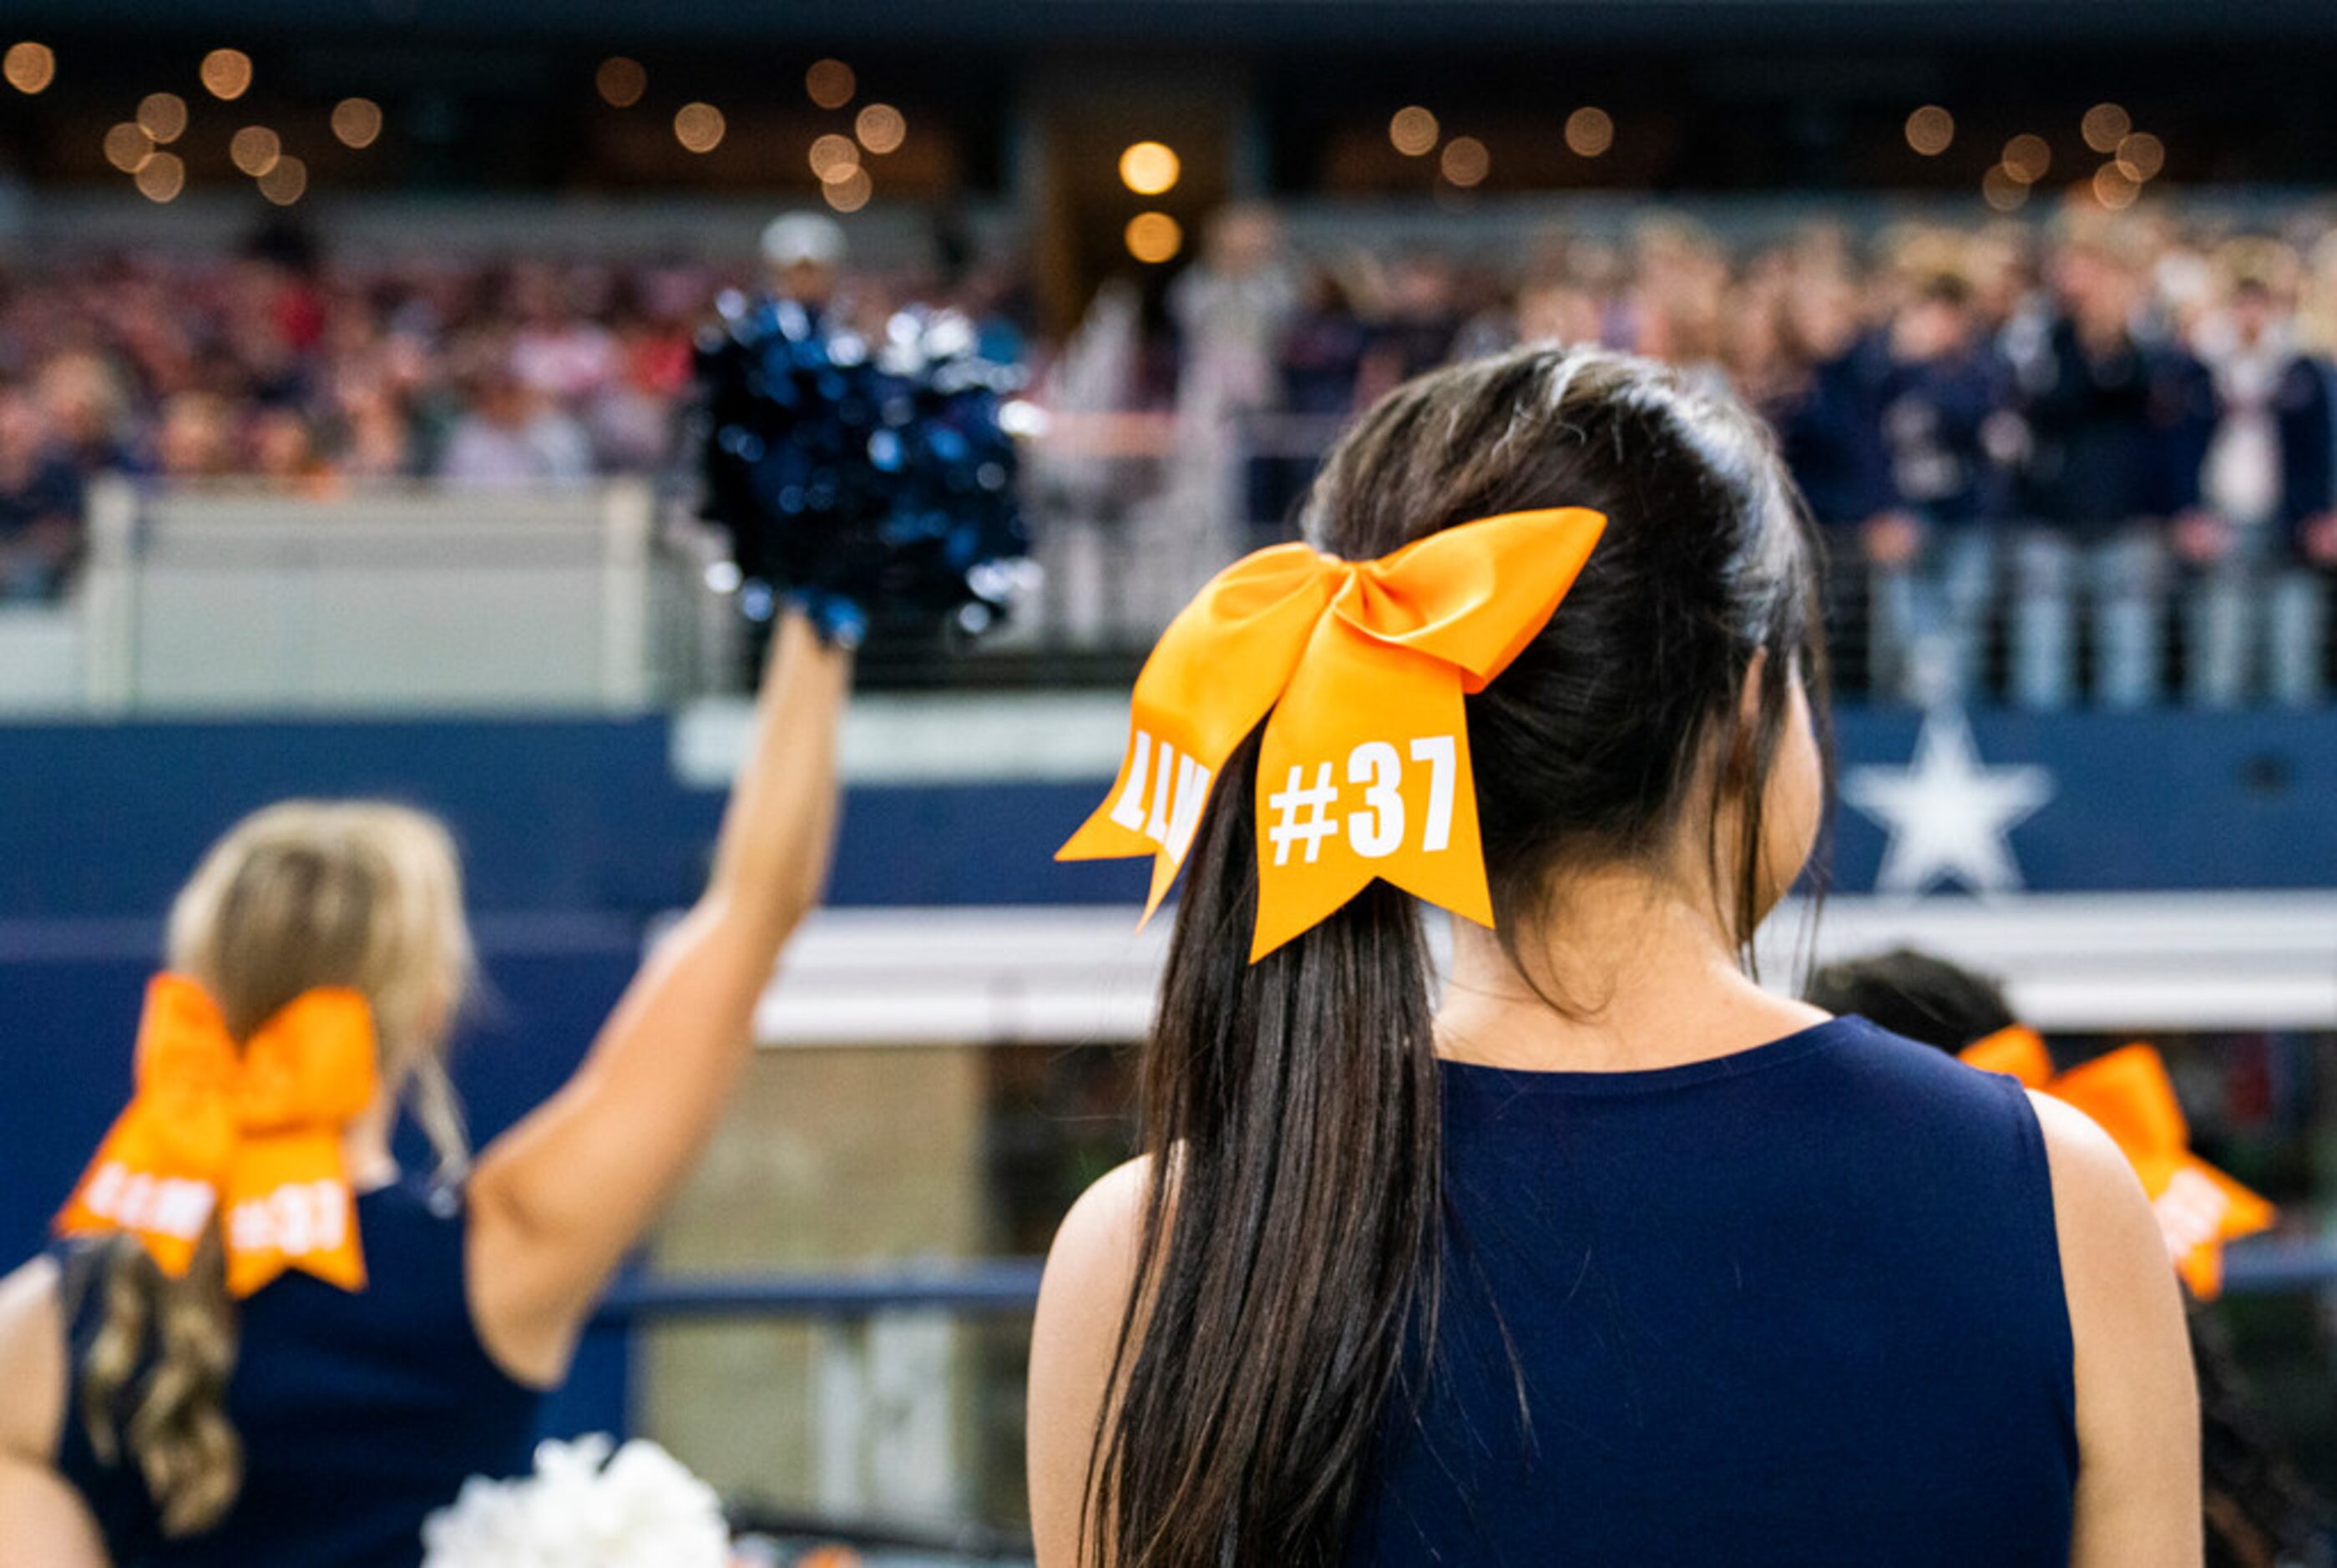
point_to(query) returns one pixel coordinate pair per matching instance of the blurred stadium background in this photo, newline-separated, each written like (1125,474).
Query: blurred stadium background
(342,352)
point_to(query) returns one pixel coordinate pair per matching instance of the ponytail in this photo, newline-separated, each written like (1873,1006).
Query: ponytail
(299,895)
(153,1380)
(1288,1249)
(1294,1236)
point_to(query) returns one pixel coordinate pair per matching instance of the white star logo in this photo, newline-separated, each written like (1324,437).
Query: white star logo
(1949,818)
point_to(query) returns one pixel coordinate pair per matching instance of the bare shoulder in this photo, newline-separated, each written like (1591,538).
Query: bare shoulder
(2137,1503)
(1105,1219)
(1075,1338)
(31,1362)
(2104,1221)
(1091,1266)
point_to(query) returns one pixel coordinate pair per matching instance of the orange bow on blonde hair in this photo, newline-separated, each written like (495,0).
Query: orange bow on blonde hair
(2130,1097)
(250,1136)
(1358,670)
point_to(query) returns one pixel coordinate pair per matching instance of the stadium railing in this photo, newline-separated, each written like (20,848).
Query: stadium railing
(607,596)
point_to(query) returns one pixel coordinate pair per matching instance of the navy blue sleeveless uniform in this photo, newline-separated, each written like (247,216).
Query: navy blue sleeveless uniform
(359,1413)
(1801,1304)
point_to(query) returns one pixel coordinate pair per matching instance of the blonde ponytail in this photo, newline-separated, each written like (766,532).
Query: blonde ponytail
(177,1433)
(299,895)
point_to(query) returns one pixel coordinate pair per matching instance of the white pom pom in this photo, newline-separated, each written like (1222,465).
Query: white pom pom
(584,1508)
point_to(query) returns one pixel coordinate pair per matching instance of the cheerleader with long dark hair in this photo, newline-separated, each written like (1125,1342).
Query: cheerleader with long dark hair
(263,1344)
(1609,1255)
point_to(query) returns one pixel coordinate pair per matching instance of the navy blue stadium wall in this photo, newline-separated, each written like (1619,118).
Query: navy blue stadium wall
(576,835)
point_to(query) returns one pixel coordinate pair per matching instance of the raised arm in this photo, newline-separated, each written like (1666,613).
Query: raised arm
(557,1202)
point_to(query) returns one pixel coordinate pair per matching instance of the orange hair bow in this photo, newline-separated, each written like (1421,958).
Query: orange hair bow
(1358,670)
(2130,1097)
(252,1136)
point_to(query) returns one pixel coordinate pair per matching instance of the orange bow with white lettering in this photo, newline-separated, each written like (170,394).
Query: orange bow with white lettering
(2130,1097)
(1358,670)
(251,1137)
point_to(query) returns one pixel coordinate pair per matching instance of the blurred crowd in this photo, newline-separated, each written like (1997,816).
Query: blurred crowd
(2087,459)
(267,364)
(2092,456)
(276,366)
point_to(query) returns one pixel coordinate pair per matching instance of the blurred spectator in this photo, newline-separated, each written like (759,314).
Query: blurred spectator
(1231,308)
(1947,427)
(561,352)
(630,418)
(1825,392)
(2268,483)
(994,296)
(1678,299)
(82,398)
(375,433)
(803,259)
(1418,319)
(40,504)
(2117,430)
(1828,410)
(282,449)
(1559,309)
(197,438)
(514,434)
(1323,351)
(1320,366)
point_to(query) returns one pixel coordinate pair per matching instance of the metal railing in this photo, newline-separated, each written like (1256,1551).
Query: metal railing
(2261,1266)
(239,595)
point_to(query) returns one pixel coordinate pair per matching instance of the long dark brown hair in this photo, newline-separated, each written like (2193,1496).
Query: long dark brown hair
(1291,1240)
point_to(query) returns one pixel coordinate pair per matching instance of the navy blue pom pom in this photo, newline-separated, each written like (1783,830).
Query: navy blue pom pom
(864,480)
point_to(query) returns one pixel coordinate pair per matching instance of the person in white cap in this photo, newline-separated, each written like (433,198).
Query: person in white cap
(805,254)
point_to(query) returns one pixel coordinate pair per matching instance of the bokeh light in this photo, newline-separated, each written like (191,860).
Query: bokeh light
(128,146)
(2003,190)
(851,193)
(1590,132)
(357,122)
(226,73)
(700,127)
(285,184)
(622,80)
(1414,131)
(2028,158)
(833,158)
(2105,126)
(1930,130)
(2142,156)
(162,177)
(2115,188)
(1465,163)
(255,150)
(162,116)
(1149,168)
(831,84)
(881,128)
(29,67)
(1154,237)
